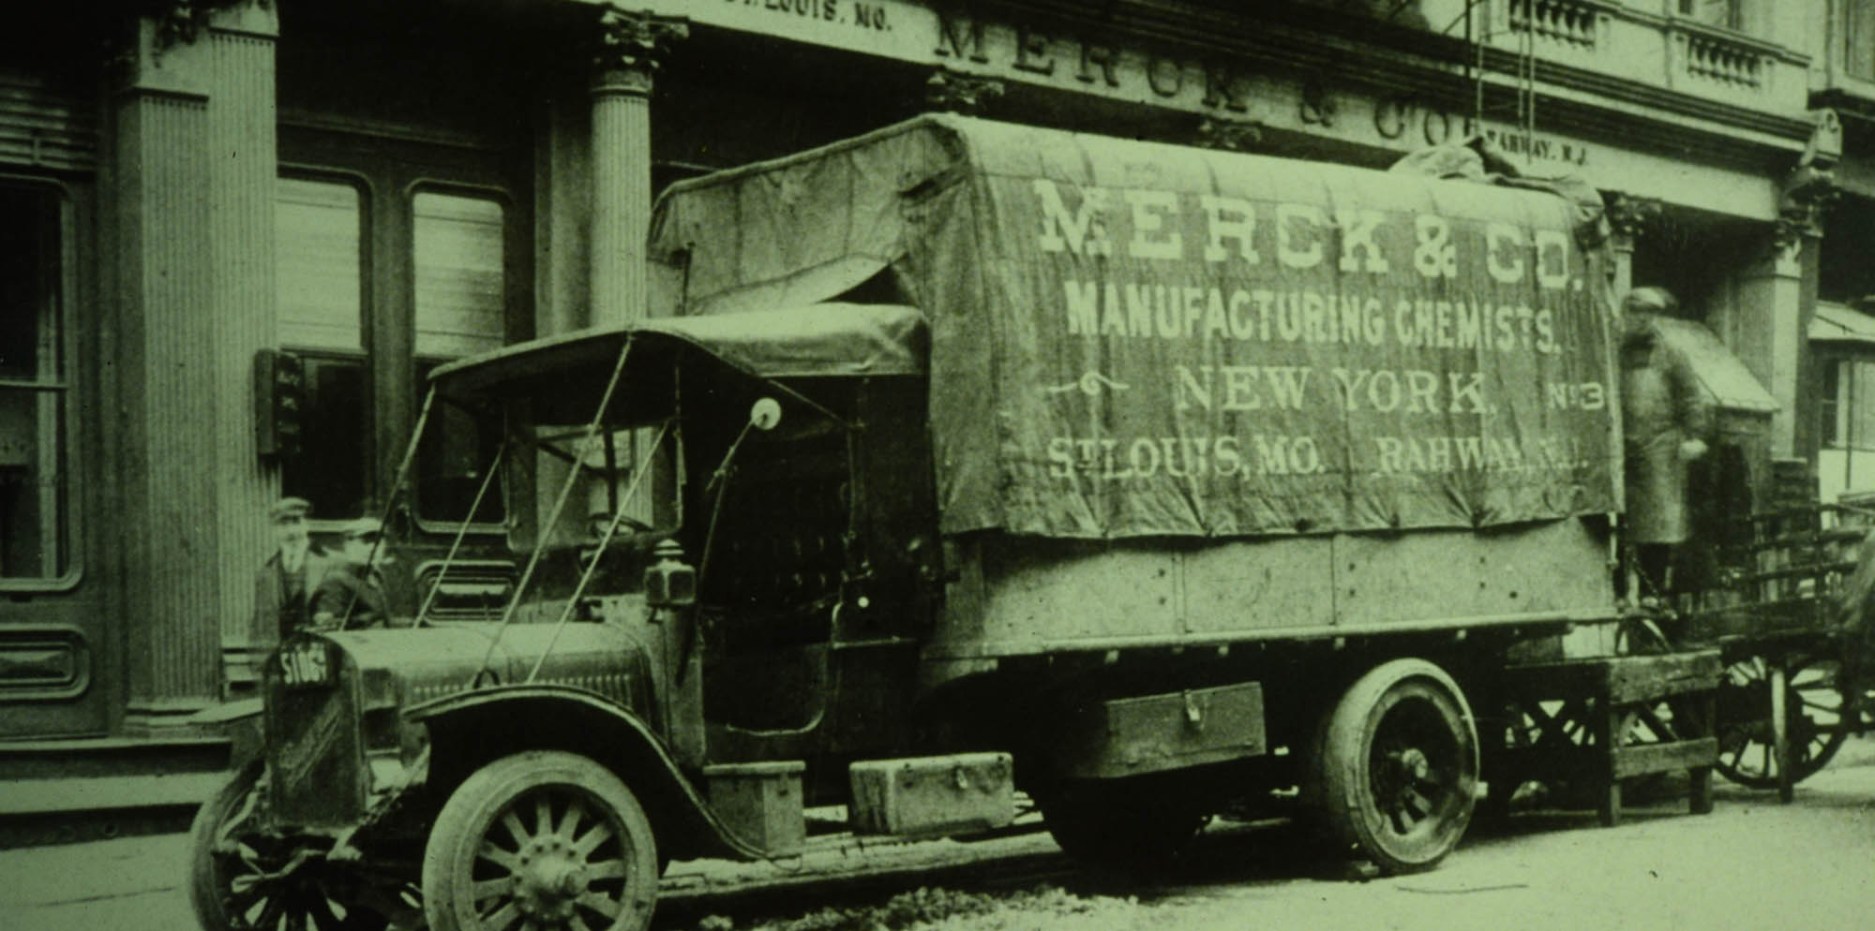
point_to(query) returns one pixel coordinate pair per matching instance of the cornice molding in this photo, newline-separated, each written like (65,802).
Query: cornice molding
(1394,59)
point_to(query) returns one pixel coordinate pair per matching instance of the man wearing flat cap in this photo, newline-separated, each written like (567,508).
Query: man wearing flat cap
(286,581)
(353,593)
(1664,421)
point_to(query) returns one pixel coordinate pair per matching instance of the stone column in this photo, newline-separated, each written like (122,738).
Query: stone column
(1769,290)
(166,371)
(1777,292)
(631,46)
(1769,324)
(241,135)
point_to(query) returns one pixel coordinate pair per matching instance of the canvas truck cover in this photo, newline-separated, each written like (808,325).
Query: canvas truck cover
(1132,339)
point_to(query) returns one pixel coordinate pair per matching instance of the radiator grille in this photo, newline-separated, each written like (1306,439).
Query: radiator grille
(315,757)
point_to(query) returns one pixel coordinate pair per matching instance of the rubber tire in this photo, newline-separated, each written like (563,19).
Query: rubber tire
(472,810)
(1110,825)
(205,887)
(1342,776)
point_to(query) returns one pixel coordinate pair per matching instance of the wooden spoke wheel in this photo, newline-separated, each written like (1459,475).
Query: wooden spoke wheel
(242,880)
(1396,766)
(1813,703)
(1138,823)
(541,841)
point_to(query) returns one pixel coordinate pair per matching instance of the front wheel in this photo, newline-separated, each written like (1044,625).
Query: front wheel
(241,878)
(1395,767)
(541,840)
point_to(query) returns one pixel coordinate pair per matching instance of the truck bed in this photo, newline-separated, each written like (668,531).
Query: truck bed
(1023,596)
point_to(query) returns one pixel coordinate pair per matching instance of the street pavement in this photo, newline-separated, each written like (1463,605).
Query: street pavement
(1751,864)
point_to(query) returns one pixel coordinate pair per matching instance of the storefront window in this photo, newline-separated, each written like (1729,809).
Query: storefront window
(34,497)
(320,258)
(461,309)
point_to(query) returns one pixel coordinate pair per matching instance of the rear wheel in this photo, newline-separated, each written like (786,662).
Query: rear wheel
(541,840)
(1396,766)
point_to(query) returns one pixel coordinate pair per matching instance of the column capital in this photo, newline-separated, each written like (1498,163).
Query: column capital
(948,91)
(1229,135)
(631,46)
(157,51)
(1805,195)
(182,22)
(1630,216)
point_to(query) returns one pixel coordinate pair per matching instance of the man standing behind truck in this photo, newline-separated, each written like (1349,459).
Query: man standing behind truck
(290,575)
(353,594)
(1664,420)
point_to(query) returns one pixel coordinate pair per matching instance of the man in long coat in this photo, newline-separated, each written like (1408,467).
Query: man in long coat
(1664,422)
(283,588)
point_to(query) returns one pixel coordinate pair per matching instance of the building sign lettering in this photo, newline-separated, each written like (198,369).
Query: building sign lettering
(914,32)
(1411,122)
(863,15)
(1119,72)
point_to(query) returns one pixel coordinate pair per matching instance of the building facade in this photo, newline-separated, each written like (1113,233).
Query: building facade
(1843,333)
(222,212)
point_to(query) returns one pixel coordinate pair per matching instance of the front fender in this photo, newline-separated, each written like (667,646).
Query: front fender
(470,729)
(242,723)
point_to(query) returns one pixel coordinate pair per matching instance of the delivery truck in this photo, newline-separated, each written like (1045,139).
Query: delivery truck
(962,463)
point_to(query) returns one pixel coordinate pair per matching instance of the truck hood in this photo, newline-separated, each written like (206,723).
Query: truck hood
(433,662)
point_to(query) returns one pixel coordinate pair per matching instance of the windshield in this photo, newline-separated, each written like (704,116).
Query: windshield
(613,474)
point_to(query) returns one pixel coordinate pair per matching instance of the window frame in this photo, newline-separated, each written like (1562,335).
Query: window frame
(69,388)
(391,166)
(361,184)
(1844,35)
(1849,370)
(513,238)
(1738,16)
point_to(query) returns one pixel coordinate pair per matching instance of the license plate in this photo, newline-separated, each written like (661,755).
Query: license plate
(306,662)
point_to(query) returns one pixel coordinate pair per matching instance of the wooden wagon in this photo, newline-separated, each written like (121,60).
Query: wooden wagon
(1781,615)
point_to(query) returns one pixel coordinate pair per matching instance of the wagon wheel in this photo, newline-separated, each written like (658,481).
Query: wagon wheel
(242,880)
(541,840)
(1395,766)
(1813,700)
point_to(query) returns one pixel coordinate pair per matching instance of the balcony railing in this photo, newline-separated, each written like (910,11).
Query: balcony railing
(1571,22)
(1722,59)
(1644,43)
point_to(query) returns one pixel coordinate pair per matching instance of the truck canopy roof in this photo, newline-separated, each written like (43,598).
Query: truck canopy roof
(1136,339)
(822,341)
